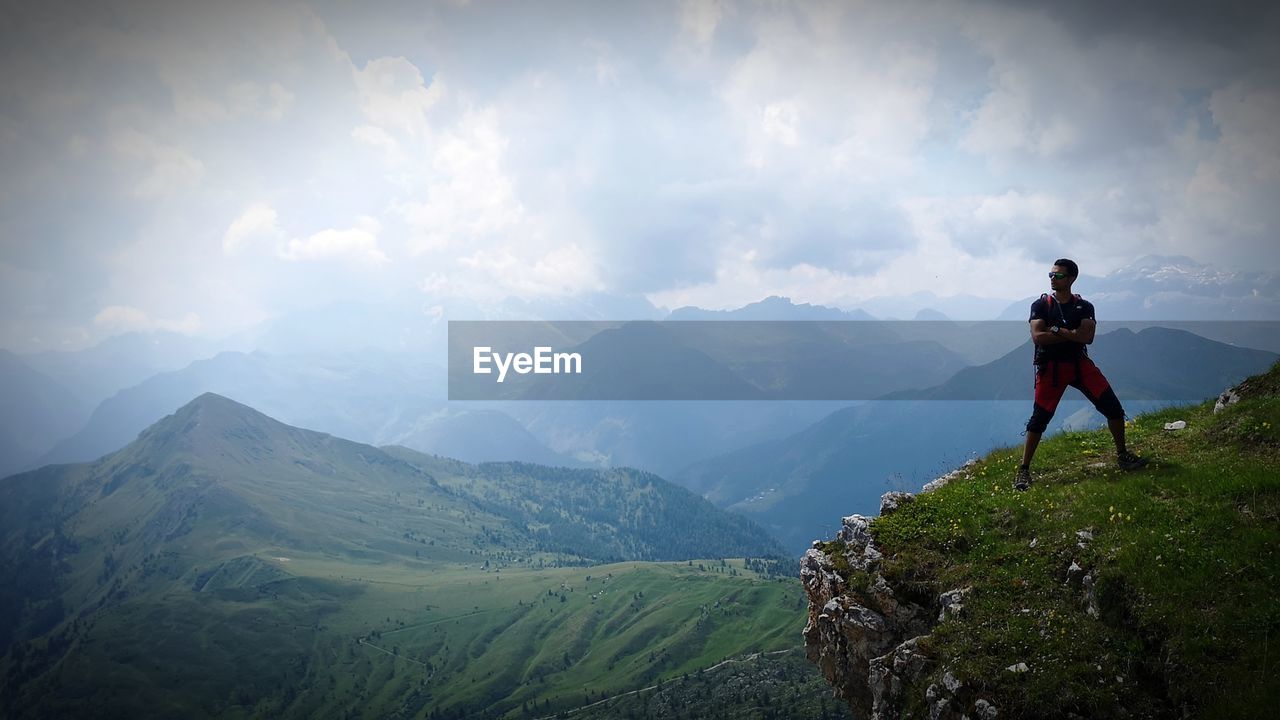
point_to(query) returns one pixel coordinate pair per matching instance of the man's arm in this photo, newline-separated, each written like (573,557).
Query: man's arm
(1085,333)
(1040,334)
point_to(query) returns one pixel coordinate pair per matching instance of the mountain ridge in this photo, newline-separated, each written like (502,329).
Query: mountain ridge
(196,567)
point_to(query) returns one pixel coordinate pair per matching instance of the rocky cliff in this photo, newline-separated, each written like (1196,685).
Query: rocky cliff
(870,640)
(1095,594)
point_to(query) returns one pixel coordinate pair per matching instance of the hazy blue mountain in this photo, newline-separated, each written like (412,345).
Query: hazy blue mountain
(477,435)
(661,437)
(371,396)
(637,360)
(384,398)
(96,373)
(586,306)
(850,458)
(734,361)
(956,307)
(1152,364)
(35,413)
(1174,288)
(774,307)
(346,328)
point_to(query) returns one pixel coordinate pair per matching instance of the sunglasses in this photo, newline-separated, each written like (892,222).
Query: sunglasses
(1057,275)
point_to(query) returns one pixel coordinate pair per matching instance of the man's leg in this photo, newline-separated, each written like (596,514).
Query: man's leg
(1116,425)
(1047,395)
(1095,387)
(1029,447)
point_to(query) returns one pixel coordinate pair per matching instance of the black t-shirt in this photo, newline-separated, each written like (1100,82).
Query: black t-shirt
(1068,317)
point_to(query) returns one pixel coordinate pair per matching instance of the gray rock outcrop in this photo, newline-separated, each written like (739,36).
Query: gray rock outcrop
(869,641)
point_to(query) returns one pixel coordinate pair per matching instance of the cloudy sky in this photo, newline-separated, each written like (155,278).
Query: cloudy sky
(202,167)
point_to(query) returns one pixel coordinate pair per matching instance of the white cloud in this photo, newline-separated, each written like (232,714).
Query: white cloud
(394,95)
(493,274)
(258,224)
(164,168)
(606,73)
(741,281)
(822,90)
(779,122)
(78,146)
(1229,197)
(467,197)
(376,137)
(359,243)
(822,150)
(252,99)
(699,18)
(1058,95)
(281,101)
(1246,120)
(125,318)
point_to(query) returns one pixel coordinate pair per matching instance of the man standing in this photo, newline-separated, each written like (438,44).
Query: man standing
(1062,325)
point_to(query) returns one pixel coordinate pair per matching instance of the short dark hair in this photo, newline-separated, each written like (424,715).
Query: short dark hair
(1072,269)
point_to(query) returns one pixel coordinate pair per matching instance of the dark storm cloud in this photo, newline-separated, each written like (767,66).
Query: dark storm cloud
(1241,26)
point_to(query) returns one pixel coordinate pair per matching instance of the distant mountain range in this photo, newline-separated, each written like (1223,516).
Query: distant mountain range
(36,411)
(372,397)
(96,373)
(774,307)
(849,459)
(1158,287)
(1152,364)
(385,398)
(738,360)
(311,383)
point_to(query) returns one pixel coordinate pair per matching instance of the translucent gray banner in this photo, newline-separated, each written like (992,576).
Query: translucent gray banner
(834,360)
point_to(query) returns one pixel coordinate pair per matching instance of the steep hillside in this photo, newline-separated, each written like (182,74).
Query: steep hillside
(225,564)
(1096,594)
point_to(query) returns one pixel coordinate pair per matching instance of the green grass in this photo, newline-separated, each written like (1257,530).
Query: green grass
(1184,555)
(336,639)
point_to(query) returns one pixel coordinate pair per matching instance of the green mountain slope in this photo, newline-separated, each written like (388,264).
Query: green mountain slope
(227,565)
(313,637)
(1095,594)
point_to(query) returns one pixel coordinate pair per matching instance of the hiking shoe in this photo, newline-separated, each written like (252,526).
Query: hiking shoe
(1128,461)
(1023,480)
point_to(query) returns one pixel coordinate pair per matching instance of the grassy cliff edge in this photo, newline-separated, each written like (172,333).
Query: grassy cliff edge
(1095,594)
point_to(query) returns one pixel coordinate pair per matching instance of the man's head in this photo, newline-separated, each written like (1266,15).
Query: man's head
(1067,266)
(1064,273)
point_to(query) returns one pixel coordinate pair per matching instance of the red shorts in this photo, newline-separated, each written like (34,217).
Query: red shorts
(1054,377)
